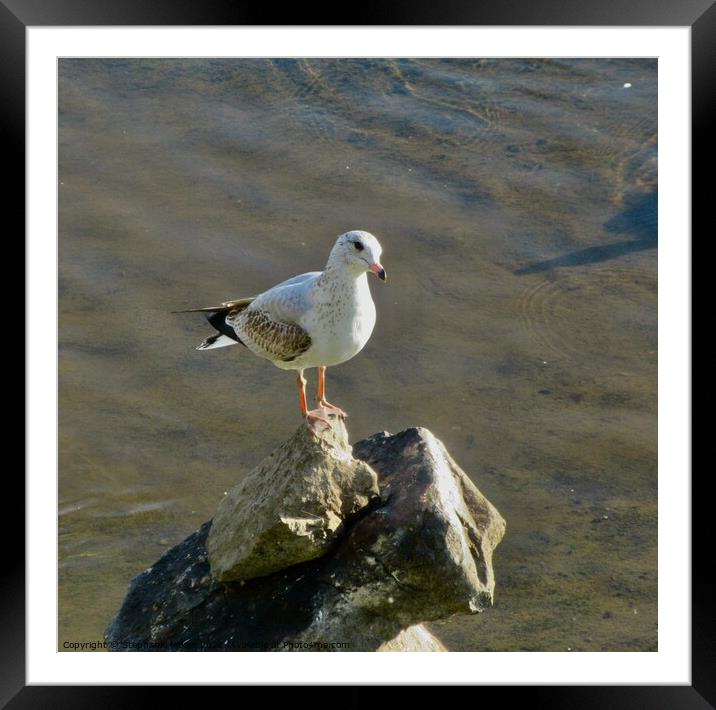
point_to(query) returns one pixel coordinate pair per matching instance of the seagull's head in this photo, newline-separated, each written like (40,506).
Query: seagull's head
(359,251)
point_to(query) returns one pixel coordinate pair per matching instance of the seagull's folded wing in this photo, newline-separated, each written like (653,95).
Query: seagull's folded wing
(272,338)
(272,324)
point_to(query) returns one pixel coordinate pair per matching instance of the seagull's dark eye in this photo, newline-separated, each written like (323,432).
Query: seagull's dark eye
(358,246)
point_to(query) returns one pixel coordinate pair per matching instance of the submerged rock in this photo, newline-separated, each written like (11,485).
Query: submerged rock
(420,551)
(415,638)
(291,507)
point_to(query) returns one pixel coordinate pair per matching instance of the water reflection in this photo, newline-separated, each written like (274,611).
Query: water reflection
(639,218)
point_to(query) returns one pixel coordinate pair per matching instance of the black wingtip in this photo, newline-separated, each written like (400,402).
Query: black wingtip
(212,309)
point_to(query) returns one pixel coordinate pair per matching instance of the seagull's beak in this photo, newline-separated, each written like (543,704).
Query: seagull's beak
(378,270)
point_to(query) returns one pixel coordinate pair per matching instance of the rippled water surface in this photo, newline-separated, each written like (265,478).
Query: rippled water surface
(516,201)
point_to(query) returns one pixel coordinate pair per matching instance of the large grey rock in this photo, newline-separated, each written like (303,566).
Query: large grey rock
(420,552)
(291,507)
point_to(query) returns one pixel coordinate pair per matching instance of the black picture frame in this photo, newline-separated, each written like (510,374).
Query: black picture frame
(17,15)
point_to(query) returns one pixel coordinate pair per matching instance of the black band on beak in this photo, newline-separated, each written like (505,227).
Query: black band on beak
(381,274)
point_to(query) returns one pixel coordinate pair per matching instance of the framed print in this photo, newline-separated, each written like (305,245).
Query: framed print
(448,226)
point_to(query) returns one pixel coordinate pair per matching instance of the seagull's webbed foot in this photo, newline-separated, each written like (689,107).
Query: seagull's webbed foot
(323,404)
(312,419)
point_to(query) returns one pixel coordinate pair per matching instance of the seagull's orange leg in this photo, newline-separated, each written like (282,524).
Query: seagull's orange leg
(322,394)
(311,417)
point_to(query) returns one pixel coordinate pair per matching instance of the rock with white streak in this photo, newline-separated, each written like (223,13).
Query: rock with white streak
(291,507)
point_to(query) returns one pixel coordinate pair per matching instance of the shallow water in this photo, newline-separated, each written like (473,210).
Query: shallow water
(516,204)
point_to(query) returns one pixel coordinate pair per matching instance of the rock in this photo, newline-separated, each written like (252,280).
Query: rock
(291,507)
(420,552)
(415,638)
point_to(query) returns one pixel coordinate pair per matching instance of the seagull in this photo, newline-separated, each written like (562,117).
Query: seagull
(318,319)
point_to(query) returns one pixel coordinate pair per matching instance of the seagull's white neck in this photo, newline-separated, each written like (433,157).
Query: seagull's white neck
(338,270)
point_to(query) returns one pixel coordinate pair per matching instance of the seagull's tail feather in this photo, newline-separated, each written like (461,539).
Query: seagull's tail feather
(216,315)
(218,340)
